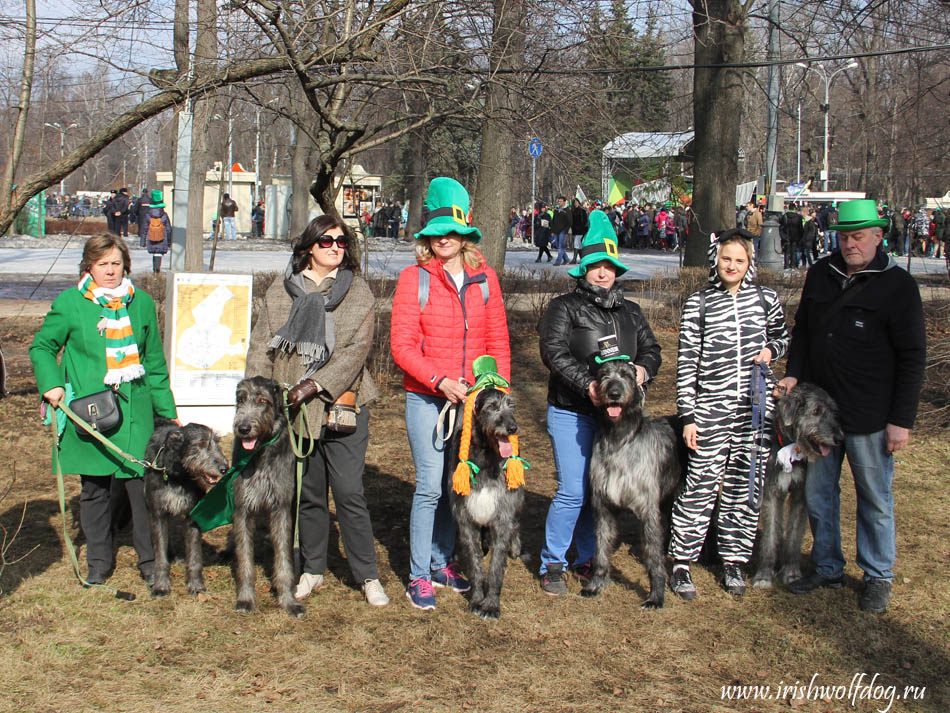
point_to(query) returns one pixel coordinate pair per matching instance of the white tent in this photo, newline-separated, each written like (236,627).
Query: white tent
(639,145)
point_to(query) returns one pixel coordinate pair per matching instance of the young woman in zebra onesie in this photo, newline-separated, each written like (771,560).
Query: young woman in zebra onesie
(725,328)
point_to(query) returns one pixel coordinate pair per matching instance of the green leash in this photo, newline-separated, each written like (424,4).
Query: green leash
(61,487)
(297,446)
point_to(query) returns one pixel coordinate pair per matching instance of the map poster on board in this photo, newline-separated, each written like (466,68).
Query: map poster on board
(208,334)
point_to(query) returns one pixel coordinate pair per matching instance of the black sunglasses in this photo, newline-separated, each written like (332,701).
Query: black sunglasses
(326,241)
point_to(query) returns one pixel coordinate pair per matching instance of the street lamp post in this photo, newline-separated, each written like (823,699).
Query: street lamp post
(62,148)
(828,79)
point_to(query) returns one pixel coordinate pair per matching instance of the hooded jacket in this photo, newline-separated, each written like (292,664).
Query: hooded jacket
(451,331)
(717,348)
(569,330)
(868,355)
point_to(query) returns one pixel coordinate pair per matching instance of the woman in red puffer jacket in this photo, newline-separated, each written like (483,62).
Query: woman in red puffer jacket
(447,311)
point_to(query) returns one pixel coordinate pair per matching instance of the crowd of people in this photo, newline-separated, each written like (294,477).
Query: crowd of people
(859,334)
(807,231)
(562,226)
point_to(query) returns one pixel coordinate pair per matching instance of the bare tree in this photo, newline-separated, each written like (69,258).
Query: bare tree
(22,110)
(719,28)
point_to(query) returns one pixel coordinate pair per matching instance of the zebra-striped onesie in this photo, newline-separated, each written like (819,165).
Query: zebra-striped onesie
(713,372)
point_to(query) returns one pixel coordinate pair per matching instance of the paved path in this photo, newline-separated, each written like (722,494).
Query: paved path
(23,267)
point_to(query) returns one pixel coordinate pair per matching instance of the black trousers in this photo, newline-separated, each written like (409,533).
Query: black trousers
(100,497)
(121,223)
(337,462)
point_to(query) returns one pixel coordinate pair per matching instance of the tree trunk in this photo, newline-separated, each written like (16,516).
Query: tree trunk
(717,97)
(206,51)
(495,175)
(416,190)
(182,65)
(301,177)
(15,144)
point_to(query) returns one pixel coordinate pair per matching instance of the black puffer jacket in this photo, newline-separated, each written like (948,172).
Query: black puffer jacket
(569,330)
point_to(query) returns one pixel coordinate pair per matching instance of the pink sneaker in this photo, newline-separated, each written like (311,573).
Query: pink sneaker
(450,577)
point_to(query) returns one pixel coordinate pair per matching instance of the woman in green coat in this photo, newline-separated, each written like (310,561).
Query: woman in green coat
(108,334)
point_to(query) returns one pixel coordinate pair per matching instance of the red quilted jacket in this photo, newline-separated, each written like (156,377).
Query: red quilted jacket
(447,336)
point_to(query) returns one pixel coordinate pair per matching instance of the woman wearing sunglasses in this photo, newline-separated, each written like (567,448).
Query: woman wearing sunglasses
(314,332)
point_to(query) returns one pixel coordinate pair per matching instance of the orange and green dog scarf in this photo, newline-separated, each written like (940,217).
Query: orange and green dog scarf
(485,369)
(122,353)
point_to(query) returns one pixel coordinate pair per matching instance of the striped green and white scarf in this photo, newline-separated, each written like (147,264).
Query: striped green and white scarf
(122,353)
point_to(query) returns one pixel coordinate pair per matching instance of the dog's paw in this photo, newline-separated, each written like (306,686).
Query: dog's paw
(160,591)
(296,610)
(761,581)
(651,604)
(790,575)
(195,587)
(590,592)
(243,605)
(489,613)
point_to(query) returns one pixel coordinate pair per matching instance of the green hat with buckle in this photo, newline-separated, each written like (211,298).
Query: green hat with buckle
(447,201)
(158,199)
(857,215)
(600,243)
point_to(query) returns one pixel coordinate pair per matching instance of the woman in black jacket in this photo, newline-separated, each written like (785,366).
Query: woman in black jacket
(592,320)
(579,225)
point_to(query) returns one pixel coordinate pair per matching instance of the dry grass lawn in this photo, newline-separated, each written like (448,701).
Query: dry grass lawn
(69,649)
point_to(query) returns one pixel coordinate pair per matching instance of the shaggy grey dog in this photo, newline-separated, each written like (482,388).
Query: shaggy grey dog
(192,463)
(265,486)
(807,416)
(490,504)
(637,464)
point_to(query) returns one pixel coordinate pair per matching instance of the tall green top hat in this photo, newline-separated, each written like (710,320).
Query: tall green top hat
(855,215)
(447,201)
(600,243)
(158,199)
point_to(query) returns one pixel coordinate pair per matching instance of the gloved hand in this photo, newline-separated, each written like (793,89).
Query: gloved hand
(302,392)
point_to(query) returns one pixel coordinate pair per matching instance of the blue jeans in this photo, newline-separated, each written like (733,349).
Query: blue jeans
(831,240)
(230,231)
(873,471)
(560,240)
(431,526)
(570,516)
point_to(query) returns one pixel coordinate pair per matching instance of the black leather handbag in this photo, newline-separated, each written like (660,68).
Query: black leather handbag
(100,410)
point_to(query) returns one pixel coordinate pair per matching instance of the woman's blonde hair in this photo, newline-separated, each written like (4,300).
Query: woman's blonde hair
(99,245)
(744,242)
(470,254)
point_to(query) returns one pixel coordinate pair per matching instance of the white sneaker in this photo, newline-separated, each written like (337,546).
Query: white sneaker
(308,582)
(374,593)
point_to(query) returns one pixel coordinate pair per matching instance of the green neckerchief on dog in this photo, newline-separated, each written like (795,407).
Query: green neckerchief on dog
(216,508)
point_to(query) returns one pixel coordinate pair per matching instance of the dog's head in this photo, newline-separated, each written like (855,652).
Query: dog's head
(260,411)
(494,420)
(194,452)
(808,416)
(617,389)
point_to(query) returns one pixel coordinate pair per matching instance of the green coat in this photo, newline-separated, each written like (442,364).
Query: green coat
(70,327)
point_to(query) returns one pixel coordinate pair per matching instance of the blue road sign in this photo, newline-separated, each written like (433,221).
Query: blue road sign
(534,148)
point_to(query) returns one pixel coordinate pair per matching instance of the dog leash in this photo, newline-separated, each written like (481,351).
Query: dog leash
(449,412)
(297,446)
(61,488)
(759,386)
(109,444)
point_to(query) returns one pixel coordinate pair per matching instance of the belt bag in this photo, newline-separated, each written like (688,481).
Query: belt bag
(100,410)
(341,416)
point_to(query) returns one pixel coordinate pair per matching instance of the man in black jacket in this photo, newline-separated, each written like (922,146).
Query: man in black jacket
(120,212)
(859,334)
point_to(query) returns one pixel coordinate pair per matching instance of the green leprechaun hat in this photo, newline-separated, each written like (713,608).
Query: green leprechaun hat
(855,215)
(447,201)
(158,199)
(600,243)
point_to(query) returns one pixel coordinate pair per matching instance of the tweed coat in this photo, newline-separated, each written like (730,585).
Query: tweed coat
(346,369)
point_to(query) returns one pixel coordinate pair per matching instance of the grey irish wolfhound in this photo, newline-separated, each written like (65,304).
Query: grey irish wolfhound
(809,417)
(192,462)
(637,464)
(266,486)
(490,504)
